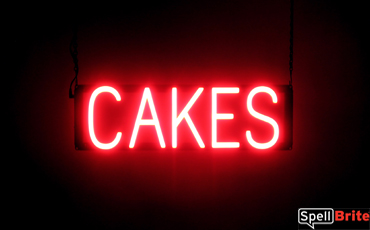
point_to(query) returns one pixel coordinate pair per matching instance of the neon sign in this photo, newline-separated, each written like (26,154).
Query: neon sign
(131,117)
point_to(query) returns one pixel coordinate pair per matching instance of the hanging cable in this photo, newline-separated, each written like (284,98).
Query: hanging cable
(73,51)
(291,43)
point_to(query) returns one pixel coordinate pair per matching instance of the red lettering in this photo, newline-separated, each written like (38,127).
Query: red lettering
(86,132)
(95,141)
(358,214)
(365,216)
(339,215)
(262,89)
(353,215)
(347,216)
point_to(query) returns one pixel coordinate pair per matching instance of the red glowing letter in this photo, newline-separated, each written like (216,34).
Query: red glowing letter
(262,89)
(184,114)
(147,96)
(221,116)
(91,117)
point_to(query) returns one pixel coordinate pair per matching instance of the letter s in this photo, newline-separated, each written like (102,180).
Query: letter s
(262,89)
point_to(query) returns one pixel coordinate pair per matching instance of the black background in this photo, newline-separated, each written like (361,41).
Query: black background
(50,185)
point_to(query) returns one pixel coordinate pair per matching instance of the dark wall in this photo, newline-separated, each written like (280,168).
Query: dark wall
(51,185)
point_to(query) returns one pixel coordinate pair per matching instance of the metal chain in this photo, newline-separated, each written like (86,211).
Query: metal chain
(73,51)
(291,42)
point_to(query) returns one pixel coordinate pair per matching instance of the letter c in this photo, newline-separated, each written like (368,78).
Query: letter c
(94,95)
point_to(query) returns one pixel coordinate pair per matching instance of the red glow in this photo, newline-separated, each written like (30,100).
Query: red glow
(147,97)
(269,144)
(184,114)
(213,116)
(91,118)
(221,116)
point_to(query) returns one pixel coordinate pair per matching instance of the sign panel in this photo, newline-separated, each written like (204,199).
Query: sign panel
(183,117)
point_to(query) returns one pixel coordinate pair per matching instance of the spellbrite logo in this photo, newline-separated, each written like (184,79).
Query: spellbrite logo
(329,218)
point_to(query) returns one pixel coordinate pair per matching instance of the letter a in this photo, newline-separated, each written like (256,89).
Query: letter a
(147,96)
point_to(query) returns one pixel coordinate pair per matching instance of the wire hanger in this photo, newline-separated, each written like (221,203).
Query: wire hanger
(73,51)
